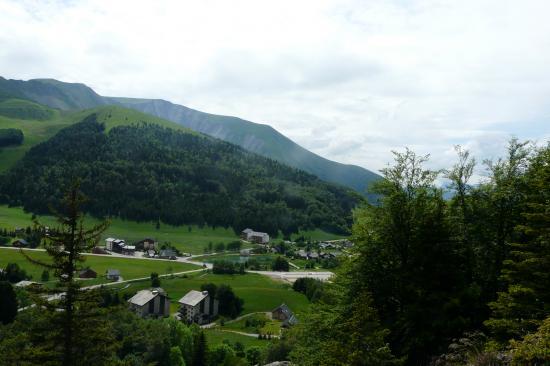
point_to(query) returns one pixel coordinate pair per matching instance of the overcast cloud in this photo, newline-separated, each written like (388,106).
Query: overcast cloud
(349,80)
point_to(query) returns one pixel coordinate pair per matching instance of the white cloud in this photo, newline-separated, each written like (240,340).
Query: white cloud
(350,80)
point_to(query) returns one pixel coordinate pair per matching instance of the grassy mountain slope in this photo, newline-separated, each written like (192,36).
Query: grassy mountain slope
(148,169)
(37,131)
(258,138)
(24,109)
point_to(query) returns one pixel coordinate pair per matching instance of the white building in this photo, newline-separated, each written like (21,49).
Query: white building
(152,302)
(109,243)
(197,307)
(255,236)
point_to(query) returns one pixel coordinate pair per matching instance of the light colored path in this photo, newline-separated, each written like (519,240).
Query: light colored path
(266,313)
(142,278)
(293,265)
(283,276)
(254,335)
(293,276)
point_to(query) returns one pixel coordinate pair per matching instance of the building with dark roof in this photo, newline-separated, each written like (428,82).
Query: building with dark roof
(87,273)
(283,313)
(113,274)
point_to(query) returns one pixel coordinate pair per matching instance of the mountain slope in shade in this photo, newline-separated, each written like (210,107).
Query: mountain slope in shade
(258,138)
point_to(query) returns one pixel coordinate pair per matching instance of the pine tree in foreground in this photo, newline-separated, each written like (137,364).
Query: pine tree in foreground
(72,330)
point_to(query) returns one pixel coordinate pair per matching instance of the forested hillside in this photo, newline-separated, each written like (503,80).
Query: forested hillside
(255,137)
(148,172)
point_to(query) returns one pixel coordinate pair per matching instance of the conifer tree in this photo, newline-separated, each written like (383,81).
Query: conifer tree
(525,303)
(8,302)
(74,331)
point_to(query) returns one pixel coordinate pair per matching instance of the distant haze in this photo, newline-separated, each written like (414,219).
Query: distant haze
(349,80)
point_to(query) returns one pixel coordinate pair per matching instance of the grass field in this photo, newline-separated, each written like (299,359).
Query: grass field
(260,293)
(251,324)
(216,336)
(129,268)
(192,239)
(188,238)
(317,235)
(34,132)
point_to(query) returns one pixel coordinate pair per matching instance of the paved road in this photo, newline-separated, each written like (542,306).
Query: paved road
(284,276)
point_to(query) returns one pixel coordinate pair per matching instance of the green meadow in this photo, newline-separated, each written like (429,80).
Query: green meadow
(216,336)
(189,238)
(317,235)
(129,268)
(260,293)
(34,132)
(245,324)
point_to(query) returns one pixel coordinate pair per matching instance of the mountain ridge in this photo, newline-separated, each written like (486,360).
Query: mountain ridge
(258,138)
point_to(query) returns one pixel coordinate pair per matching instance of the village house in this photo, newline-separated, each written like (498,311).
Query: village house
(283,313)
(327,246)
(147,244)
(128,249)
(119,246)
(20,243)
(109,243)
(302,254)
(326,255)
(113,274)
(87,273)
(167,254)
(152,302)
(198,307)
(26,283)
(99,250)
(255,236)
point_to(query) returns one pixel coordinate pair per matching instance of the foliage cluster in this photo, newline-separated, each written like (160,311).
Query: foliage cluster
(433,271)
(10,136)
(229,304)
(146,172)
(227,267)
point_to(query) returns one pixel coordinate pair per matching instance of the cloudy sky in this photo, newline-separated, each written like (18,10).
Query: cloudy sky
(349,80)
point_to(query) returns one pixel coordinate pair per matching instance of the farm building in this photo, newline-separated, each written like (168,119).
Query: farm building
(87,273)
(148,244)
(113,274)
(283,313)
(20,243)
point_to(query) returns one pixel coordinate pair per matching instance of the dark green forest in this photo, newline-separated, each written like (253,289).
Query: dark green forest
(10,136)
(145,172)
(436,282)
